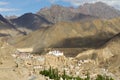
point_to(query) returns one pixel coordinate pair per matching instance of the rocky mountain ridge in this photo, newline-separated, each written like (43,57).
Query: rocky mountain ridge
(8,29)
(56,13)
(71,35)
(31,21)
(99,9)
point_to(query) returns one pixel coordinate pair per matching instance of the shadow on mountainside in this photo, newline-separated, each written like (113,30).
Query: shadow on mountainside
(92,42)
(79,44)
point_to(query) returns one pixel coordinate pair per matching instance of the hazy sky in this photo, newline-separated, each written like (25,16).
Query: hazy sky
(19,7)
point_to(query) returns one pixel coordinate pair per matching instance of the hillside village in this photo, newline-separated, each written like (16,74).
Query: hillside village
(56,59)
(29,65)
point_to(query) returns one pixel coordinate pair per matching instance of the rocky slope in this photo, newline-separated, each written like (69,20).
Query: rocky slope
(112,46)
(6,51)
(7,62)
(57,13)
(7,29)
(100,10)
(30,22)
(71,35)
(107,56)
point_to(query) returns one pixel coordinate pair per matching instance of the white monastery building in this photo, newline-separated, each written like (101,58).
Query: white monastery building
(55,53)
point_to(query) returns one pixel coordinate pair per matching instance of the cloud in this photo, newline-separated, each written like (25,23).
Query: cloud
(111,2)
(8,9)
(78,2)
(3,3)
(114,3)
(53,1)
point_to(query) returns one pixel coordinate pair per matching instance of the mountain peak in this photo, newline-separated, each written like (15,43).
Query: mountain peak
(28,14)
(99,2)
(56,5)
(52,7)
(3,19)
(96,3)
(99,9)
(31,21)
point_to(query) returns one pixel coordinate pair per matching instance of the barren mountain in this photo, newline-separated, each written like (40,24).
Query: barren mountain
(7,29)
(71,35)
(99,9)
(57,13)
(107,54)
(113,63)
(30,21)
(111,53)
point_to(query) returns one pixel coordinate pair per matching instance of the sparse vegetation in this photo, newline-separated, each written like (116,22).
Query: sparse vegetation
(100,77)
(54,74)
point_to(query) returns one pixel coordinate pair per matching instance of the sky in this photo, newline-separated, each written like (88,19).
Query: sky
(19,7)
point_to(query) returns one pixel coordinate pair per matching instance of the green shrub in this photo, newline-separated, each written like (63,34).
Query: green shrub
(54,74)
(101,77)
